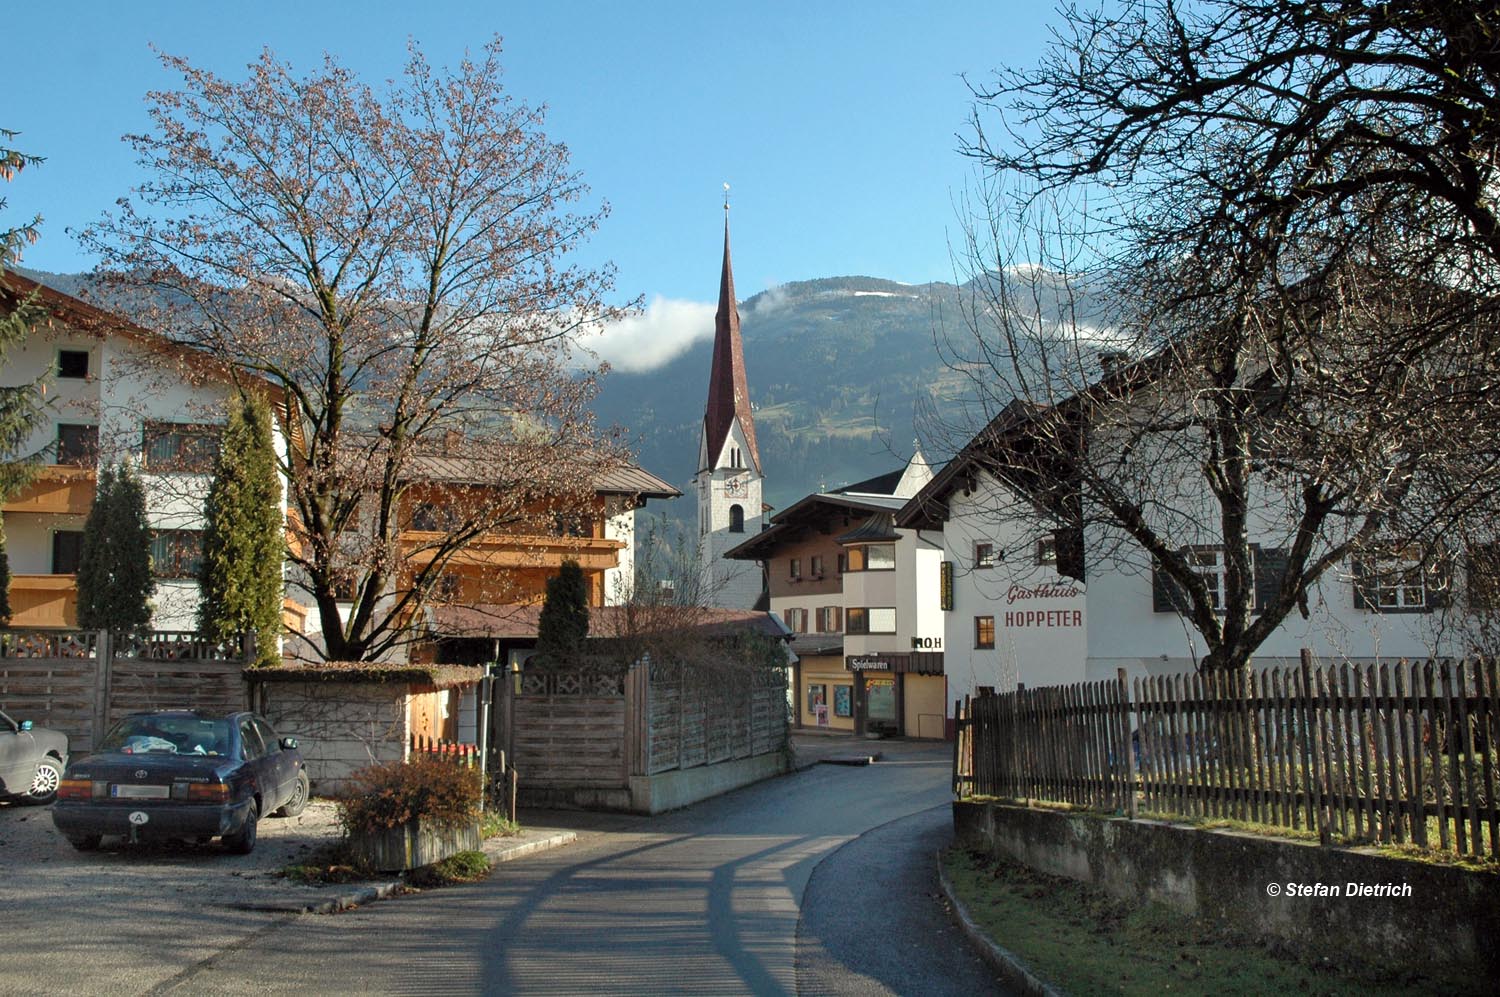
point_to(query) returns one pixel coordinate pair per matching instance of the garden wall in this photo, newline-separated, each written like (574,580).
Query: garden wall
(1438,916)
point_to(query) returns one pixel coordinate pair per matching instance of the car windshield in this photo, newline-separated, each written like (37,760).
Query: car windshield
(173,735)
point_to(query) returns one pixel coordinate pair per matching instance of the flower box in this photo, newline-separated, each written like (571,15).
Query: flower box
(413,844)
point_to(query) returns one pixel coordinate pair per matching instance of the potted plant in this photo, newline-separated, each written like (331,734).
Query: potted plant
(405,815)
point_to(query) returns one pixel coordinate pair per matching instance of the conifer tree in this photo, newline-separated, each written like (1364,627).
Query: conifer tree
(564,622)
(240,579)
(20,406)
(114,562)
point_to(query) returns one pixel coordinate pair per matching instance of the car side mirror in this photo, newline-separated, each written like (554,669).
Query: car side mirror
(289,743)
(25,724)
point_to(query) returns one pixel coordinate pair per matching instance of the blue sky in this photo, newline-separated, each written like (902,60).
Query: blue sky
(835,123)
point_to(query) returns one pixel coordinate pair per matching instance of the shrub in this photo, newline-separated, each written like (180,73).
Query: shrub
(464,867)
(389,795)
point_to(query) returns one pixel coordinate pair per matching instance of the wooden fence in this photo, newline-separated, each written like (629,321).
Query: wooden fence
(1390,753)
(80,682)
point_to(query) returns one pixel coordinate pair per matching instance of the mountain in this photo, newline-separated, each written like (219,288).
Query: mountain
(836,369)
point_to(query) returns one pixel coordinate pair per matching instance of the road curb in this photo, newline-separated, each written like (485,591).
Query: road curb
(498,849)
(1011,968)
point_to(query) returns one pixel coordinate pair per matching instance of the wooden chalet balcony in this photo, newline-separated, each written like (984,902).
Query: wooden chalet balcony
(43,601)
(500,551)
(61,489)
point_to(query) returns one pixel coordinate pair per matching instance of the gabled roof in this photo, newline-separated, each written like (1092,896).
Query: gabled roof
(805,511)
(728,390)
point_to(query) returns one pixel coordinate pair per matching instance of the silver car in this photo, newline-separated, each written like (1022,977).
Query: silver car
(32,760)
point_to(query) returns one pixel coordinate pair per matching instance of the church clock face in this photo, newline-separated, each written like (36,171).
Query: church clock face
(737,486)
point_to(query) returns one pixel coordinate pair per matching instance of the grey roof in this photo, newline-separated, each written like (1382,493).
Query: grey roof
(879,527)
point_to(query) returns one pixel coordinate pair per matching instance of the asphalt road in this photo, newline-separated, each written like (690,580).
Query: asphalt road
(777,888)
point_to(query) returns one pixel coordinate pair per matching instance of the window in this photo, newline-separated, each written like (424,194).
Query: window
(817,695)
(1399,580)
(430,518)
(1268,565)
(250,742)
(984,555)
(178,447)
(794,568)
(1046,551)
(736,460)
(66,545)
(817,565)
(77,445)
(1484,576)
(830,620)
(873,557)
(796,620)
(984,632)
(870,620)
(176,553)
(73,364)
(736,519)
(843,563)
(567,526)
(267,736)
(945,586)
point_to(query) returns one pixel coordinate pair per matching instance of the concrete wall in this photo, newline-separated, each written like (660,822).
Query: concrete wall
(1442,916)
(653,794)
(340,726)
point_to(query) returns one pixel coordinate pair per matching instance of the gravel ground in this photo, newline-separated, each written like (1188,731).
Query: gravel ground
(37,865)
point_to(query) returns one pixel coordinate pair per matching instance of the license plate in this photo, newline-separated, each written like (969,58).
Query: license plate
(141,792)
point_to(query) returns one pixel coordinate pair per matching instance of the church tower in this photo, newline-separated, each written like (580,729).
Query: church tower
(729,477)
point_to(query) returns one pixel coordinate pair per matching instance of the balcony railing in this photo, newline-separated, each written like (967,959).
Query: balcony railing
(43,601)
(59,489)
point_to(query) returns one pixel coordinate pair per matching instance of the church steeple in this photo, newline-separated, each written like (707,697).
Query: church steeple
(728,391)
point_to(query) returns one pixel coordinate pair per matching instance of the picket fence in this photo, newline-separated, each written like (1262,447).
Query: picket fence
(1389,753)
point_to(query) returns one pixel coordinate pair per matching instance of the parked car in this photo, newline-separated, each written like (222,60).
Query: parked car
(181,774)
(32,760)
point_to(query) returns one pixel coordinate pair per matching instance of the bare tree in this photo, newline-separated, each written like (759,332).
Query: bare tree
(1237,262)
(396,264)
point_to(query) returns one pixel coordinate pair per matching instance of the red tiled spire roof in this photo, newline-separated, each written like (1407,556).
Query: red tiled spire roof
(728,392)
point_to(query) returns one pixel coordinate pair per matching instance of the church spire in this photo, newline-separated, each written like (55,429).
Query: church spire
(728,391)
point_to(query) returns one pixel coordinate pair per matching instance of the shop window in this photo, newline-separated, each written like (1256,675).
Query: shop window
(984,555)
(843,701)
(73,364)
(77,445)
(817,695)
(736,519)
(984,632)
(172,446)
(176,553)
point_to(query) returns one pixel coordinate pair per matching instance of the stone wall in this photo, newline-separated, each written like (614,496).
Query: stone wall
(340,726)
(1437,916)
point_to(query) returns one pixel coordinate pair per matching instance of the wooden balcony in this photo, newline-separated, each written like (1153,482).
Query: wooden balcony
(58,488)
(591,553)
(43,601)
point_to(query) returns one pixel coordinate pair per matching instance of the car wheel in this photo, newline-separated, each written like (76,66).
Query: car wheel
(85,842)
(243,843)
(298,802)
(44,784)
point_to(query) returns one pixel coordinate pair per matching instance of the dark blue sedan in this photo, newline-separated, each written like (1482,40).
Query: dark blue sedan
(182,774)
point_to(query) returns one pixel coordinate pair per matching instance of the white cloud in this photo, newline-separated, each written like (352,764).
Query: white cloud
(662,332)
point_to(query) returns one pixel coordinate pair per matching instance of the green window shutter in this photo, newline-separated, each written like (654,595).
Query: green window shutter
(1270,570)
(1166,595)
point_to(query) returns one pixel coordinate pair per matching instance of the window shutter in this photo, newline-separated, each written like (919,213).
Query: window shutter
(1166,595)
(1364,595)
(945,587)
(1481,575)
(838,619)
(1069,543)
(1440,584)
(1270,570)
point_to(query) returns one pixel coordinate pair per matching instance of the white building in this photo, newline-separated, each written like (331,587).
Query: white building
(119,393)
(1036,603)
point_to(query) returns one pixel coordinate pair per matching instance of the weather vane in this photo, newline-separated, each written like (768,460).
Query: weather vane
(726,198)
